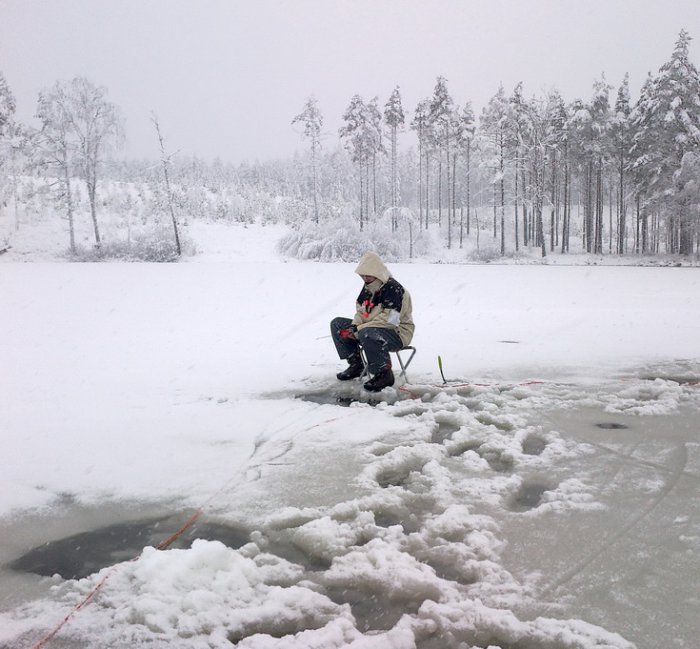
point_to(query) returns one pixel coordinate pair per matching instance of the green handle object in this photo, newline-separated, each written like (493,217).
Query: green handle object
(440,366)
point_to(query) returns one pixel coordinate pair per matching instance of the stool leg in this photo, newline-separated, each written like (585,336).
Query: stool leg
(363,356)
(404,366)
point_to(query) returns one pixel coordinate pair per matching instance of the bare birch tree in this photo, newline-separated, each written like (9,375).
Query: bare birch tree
(78,127)
(165,162)
(7,133)
(55,146)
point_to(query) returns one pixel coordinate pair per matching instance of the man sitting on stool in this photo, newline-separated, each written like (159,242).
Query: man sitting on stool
(382,323)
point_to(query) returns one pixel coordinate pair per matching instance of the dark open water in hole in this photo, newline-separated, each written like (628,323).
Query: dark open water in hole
(80,555)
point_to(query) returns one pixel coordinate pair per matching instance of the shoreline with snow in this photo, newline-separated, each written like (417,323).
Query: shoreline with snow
(45,241)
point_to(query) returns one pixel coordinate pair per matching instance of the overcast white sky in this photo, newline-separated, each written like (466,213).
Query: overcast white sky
(226,77)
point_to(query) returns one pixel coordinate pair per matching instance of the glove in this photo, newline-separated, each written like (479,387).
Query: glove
(348,333)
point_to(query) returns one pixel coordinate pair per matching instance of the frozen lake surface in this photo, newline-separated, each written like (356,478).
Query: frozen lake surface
(583,512)
(544,497)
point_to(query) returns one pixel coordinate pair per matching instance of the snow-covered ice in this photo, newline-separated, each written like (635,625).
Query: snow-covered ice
(545,497)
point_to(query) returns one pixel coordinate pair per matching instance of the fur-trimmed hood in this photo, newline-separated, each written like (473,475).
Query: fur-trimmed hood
(372,264)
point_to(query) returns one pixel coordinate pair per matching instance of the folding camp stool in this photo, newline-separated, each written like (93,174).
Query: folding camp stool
(402,363)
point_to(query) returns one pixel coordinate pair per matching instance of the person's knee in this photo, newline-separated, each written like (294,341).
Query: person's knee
(365,335)
(372,340)
(338,323)
(374,334)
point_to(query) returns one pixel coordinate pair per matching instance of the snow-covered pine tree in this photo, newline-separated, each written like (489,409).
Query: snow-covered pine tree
(538,141)
(312,121)
(666,122)
(376,143)
(465,140)
(687,197)
(494,131)
(456,128)
(557,137)
(589,129)
(622,141)
(553,129)
(440,116)
(394,118)
(517,127)
(421,124)
(360,142)
(599,152)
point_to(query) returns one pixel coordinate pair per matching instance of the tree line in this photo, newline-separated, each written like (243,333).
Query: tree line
(607,175)
(75,142)
(630,170)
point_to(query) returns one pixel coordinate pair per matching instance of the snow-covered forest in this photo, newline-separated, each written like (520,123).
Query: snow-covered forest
(609,175)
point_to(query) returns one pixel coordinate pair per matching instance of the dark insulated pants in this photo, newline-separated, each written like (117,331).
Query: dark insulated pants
(376,341)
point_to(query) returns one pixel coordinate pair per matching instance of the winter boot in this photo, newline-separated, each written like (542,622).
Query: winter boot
(383,379)
(354,369)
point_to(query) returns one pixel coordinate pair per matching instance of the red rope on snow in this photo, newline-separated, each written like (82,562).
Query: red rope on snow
(161,546)
(79,606)
(445,386)
(188,523)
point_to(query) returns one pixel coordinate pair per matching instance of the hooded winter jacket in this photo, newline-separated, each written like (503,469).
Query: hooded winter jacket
(383,303)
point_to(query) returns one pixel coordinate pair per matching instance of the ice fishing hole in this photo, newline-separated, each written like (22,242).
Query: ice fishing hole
(534,445)
(333,398)
(80,555)
(382,519)
(529,496)
(611,425)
